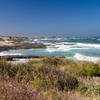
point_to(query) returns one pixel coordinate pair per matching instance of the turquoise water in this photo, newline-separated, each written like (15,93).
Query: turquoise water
(75,48)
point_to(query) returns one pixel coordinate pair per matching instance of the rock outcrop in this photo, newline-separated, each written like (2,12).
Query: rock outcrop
(16,42)
(19,45)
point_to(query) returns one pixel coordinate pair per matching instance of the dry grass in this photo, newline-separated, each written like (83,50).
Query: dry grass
(90,80)
(50,79)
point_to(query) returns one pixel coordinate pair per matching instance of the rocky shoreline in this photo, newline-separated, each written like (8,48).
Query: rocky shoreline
(19,45)
(24,58)
(15,43)
(11,58)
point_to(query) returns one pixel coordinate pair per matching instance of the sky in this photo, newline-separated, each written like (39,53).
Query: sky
(50,17)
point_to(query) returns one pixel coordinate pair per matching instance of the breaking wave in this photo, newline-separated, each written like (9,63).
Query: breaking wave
(89,45)
(64,46)
(81,57)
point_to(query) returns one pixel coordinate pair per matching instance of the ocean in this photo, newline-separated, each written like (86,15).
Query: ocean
(82,49)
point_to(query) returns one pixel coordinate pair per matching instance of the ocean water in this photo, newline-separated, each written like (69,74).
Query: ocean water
(83,49)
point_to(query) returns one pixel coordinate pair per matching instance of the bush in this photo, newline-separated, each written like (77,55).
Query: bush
(42,76)
(7,68)
(83,69)
(24,73)
(89,69)
(53,61)
(49,77)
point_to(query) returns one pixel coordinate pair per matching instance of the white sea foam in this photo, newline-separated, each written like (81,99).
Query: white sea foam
(63,47)
(48,43)
(76,38)
(51,39)
(21,60)
(60,48)
(35,40)
(81,57)
(89,45)
(8,54)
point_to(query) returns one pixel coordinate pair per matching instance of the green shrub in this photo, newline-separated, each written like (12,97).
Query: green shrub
(89,69)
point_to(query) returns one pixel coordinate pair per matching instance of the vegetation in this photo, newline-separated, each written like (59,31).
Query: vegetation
(49,78)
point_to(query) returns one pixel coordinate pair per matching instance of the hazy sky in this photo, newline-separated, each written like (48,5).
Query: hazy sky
(50,16)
